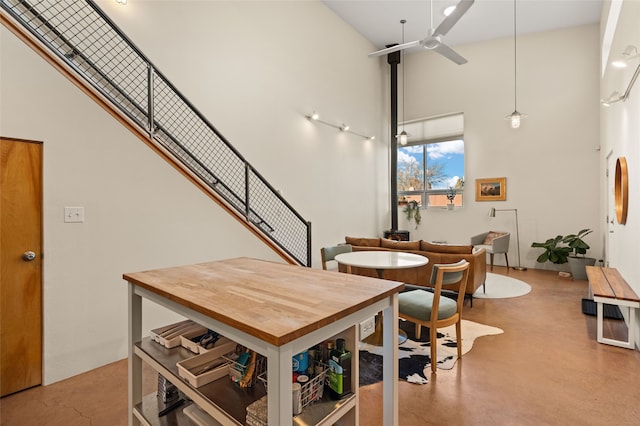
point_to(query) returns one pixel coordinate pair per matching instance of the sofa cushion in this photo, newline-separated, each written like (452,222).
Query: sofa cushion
(364,242)
(400,245)
(417,304)
(446,248)
(491,235)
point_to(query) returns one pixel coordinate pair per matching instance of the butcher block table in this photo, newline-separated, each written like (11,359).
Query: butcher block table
(275,309)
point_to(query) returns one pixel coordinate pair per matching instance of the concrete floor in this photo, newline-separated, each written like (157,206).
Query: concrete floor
(546,369)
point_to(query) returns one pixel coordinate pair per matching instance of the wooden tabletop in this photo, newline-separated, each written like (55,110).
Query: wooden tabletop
(272,301)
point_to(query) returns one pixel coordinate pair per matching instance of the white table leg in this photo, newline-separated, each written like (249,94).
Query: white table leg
(390,364)
(135,363)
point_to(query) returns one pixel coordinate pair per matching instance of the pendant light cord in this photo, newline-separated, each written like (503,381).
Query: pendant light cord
(402,60)
(515,60)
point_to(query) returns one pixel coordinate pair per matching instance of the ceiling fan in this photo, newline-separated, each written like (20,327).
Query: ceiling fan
(434,40)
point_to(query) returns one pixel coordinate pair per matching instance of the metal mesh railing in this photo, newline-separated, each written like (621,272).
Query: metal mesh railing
(87,41)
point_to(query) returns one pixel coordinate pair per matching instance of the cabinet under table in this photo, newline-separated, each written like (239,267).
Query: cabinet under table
(274,309)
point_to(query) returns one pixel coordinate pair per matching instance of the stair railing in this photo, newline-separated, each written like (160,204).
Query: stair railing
(85,40)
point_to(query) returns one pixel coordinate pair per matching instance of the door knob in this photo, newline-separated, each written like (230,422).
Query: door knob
(28,256)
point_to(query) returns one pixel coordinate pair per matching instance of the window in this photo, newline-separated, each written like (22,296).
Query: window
(431,165)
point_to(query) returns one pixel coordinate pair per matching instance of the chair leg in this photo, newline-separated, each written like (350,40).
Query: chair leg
(459,337)
(433,336)
(418,331)
(506,258)
(491,257)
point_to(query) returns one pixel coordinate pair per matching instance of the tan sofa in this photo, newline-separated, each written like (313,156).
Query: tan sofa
(436,253)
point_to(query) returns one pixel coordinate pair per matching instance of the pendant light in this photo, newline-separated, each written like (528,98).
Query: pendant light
(402,137)
(515,117)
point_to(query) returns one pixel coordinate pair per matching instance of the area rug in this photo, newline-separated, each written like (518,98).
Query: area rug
(414,355)
(501,287)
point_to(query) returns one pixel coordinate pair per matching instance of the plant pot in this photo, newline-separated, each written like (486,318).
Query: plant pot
(577,266)
(450,206)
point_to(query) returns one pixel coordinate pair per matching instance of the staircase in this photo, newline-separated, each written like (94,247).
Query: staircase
(78,39)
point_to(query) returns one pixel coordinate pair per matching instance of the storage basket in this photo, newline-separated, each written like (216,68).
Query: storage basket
(237,371)
(311,391)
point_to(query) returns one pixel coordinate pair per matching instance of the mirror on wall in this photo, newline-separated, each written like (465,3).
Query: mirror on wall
(621,190)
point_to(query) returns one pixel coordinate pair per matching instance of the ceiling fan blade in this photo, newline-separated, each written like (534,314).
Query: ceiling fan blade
(395,48)
(448,23)
(449,53)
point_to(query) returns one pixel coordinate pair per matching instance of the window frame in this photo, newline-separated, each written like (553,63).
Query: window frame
(424,193)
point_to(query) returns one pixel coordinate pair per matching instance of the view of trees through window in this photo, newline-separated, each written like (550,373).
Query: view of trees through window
(431,172)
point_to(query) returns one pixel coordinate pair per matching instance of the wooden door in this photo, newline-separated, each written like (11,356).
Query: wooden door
(20,265)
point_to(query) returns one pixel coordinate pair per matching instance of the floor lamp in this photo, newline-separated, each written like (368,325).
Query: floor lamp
(492,213)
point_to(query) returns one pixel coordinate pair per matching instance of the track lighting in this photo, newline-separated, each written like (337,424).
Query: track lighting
(629,53)
(314,116)
(611,99)
(616,96)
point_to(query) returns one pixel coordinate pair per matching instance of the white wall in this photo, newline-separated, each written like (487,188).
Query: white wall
(620,137)
(256,68)
(253,68)
(550,162)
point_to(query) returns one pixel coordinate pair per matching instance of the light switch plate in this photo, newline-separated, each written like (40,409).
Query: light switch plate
(74,214)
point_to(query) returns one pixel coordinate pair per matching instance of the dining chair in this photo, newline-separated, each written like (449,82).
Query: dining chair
(328,254)
(430,309)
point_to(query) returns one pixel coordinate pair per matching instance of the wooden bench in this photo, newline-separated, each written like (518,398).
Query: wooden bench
(608,286)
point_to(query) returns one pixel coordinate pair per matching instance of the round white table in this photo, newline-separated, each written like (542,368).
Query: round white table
(381,260)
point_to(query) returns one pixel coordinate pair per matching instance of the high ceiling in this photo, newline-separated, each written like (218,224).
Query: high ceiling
(379,20)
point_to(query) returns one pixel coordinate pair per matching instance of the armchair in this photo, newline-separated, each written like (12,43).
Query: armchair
(493,242)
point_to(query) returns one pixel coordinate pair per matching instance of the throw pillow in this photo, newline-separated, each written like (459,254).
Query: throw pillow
(363,242)
(446,248)
(400,245)
(491,236)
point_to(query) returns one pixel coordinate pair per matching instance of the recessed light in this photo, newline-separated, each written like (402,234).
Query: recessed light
(619,64)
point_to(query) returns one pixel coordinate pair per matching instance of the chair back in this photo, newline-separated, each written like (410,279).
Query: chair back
(328,254)
(446,275)
(500,244)
(492,241)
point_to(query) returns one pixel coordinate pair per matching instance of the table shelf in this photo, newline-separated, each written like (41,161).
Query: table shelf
(147,412)
(220,397)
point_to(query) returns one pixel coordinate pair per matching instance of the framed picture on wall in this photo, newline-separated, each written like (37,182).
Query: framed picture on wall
(491,189)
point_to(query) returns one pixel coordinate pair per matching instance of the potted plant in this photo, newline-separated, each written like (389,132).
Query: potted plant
(451,195)
(571,248)
(552,252)
(412,210)
(578,260)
